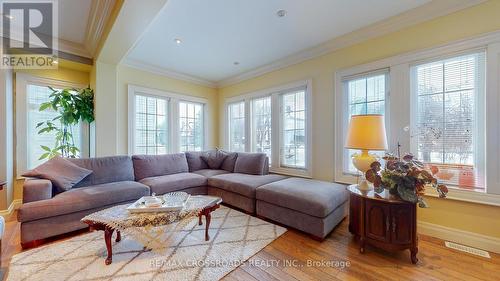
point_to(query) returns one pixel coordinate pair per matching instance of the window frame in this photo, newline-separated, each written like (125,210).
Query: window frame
(345,157)
(228,122)
(132,126)
(21,105)
(203,108)
(172,115)
(400,106)
(274,93)
(479,106)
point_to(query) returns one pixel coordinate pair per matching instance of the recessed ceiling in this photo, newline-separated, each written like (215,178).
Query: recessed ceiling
(215,34)
(73,19)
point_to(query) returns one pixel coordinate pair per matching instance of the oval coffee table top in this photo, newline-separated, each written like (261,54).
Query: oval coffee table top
(120,216)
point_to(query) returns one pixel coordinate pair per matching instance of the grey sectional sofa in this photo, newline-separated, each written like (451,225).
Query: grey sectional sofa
(243,181)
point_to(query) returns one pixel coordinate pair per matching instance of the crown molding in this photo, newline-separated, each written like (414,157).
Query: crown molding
(431,10)
(167,72)
(99,14)
(73,48)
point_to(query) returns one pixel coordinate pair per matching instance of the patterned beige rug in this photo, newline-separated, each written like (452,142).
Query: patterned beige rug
(235,237)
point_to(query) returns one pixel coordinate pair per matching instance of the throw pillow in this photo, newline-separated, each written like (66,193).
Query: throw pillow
(214,159)
(228,164)
(250,163)
(194,160)
(61,172)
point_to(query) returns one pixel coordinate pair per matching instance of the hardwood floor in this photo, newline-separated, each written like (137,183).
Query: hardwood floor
(295,256)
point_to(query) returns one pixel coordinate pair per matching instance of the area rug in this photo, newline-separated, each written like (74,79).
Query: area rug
(235,237)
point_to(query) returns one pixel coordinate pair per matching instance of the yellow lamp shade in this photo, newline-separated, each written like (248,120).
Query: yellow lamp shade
(367,132)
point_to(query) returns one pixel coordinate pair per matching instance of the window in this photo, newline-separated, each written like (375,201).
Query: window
(276,122)
(36,95)
(31,92)
(445,134)
(366,94)
(443,108)
(191,126)
(151,125)
(163,122)
(262,125)
(236,113)
(293,129)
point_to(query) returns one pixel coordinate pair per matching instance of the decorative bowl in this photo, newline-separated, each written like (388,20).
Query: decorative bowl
(176,198)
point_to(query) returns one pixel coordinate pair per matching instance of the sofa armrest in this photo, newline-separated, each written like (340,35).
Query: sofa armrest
(36,190)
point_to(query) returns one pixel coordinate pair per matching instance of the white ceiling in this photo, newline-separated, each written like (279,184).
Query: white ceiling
(73,19)
(217,33)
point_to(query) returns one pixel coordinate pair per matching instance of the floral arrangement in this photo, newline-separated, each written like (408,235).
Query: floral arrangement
(405,177)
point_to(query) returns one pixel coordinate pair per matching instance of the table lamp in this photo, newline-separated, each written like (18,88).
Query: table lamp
(366,132)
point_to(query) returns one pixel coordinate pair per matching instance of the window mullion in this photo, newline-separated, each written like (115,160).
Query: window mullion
(248,126)
(276,130)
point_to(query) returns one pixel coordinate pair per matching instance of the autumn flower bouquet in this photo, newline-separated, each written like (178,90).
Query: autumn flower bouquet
(405,177)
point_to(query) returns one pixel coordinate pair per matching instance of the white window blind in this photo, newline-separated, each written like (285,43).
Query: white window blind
(151,125)
(449,97)
(366,94)
(191,126)
(262,125)
(293,129)
(236,113)
(36,95)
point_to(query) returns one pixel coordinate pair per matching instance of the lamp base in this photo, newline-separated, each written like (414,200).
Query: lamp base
(362,162)
(364,185)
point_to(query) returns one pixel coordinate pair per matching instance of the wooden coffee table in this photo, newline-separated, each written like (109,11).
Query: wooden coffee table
(209,204)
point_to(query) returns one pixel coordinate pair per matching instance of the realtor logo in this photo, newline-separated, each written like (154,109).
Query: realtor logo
(29,34)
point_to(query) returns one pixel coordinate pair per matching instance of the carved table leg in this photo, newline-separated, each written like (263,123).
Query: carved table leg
(199,219)
(208,217)
(118,236)
(413,256)
(108,232)
(362,244)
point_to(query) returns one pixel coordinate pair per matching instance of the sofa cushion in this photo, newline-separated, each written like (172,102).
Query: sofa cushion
(85,198)
(214,158)
(228,164)
(174,182)
(312,197)
(208,173)
(146,166)
(250,163)
(62,173)
(242,183)
(105,169)
(194,161)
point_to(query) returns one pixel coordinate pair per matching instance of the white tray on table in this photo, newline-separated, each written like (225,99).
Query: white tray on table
(170,202)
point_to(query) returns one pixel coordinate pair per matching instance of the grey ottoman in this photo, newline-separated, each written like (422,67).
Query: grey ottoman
(312,206)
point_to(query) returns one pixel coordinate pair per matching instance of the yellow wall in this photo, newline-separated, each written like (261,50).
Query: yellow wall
(67,71)
(128,75)
(469,22)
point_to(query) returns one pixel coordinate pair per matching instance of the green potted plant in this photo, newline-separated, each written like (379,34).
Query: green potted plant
(405,177)
(72,106)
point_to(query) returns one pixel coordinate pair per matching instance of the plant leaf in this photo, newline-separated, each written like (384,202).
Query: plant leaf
(44,106)
(46,148)
(45,155)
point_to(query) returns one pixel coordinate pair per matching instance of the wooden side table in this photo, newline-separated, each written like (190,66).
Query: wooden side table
(383,220)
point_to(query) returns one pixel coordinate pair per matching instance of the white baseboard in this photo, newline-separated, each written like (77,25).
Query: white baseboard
(480,241)
(13,206)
